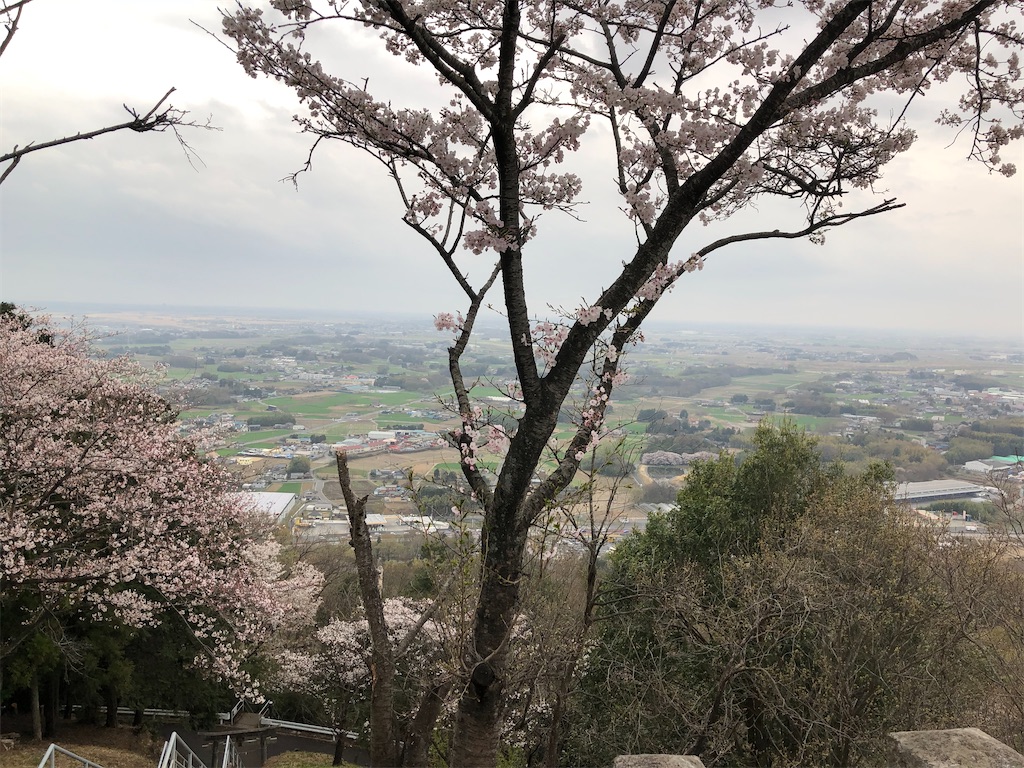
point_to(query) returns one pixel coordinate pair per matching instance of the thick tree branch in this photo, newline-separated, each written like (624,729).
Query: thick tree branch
(899,52)
(457,72)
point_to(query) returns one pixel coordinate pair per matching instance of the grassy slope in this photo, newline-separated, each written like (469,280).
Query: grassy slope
(124,748)
(109,747)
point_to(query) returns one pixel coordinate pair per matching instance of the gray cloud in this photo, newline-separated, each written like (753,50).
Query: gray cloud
(126,219)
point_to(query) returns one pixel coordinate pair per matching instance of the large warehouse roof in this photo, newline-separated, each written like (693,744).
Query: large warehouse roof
(936,489)
(276,505)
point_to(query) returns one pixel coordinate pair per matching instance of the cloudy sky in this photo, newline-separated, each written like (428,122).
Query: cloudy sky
(127,219)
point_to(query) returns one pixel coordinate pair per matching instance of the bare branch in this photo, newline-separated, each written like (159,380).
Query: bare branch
(153,120)
(834,220)
(12,24)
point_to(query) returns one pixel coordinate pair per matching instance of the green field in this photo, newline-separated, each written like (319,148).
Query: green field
(179,374)
(483,390)
(339,430)
(401,418)
(192,344)
(295,488)
(197,413)
(632,427)
(810,423)
(327,405)
(454,466)
(262,436)
(238,375)
(760,386)
(728,415)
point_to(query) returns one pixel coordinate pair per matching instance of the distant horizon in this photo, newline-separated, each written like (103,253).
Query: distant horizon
(126,219)
(82,309)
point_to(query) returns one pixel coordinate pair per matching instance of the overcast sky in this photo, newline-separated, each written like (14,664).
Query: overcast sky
(126,219)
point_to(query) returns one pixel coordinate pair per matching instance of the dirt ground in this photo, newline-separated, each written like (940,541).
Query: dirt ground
(110,747)
(421,462)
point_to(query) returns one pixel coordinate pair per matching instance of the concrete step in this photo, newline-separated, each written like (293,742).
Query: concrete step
(247,720)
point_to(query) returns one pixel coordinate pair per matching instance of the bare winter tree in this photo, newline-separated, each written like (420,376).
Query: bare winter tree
(159,118)
(710,107)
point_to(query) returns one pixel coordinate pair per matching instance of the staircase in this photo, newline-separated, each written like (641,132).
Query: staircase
(51,755)
(248,720)
(176,754)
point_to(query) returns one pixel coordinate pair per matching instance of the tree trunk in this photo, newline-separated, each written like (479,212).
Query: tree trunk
(476,732)
(37,722)
(339,749)
(417,740)
(551,748)
(383,745)
(50,705)
(110,696)
(478,721)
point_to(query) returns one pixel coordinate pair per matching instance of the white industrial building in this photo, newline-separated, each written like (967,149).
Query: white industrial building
(275,505)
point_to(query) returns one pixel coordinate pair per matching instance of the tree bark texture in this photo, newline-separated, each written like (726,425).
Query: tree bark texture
(51,704)
(37,722)
(383,746)
(110,697)
(417,739)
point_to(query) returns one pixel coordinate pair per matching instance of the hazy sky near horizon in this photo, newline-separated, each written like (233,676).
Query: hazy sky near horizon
(125,218)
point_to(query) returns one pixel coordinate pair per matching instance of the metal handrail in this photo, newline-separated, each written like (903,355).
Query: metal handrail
(235,710)
(177,714)
(232,759)
(320,730)
(176,754)
(53,749)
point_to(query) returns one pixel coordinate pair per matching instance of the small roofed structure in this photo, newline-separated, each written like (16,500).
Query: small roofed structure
(1003,465)
(424,523)
(376,522)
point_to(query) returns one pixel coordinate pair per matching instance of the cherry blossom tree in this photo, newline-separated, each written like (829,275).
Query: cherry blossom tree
(335,666)
(107,515)
(709,109)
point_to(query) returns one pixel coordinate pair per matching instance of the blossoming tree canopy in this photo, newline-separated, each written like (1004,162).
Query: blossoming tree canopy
(107,514)
(705,108)
(710,105)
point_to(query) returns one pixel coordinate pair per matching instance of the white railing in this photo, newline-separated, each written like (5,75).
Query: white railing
(172,714)
(319,730)
(54,750)
(176,754)
(232,759)
(229,717)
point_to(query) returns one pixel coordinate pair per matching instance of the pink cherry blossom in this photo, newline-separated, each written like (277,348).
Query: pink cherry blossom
(105,507)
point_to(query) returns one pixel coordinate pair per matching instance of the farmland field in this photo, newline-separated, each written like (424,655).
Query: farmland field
(899,378)
(329,404)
